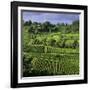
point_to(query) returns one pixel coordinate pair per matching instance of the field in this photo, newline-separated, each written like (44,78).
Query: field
(50,49)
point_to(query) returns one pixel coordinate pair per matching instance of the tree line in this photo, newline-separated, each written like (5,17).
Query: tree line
(36,28)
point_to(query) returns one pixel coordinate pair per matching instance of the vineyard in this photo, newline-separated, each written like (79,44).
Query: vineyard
(50,49)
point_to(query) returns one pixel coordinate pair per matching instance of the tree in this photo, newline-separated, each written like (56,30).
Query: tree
(28,23)
(75,26)
(33,28)
(47,26)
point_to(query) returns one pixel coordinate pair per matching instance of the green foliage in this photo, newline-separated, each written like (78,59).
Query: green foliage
(27,23)
(69,43)
(48,27)
(53,64)
(50,49)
